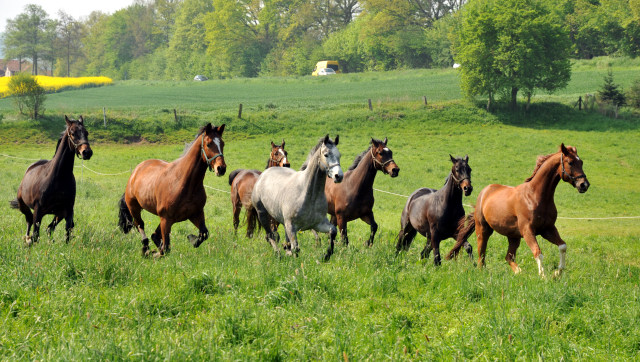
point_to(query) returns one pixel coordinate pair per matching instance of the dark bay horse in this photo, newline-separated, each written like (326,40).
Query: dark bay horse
(49,187)
(242,182)
(296,199)
(173,190)
(353,198)
(528,209)
(436,214)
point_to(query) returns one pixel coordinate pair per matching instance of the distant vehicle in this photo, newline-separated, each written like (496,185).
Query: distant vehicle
(324,64)
(456,65)
(326,71)
(200,78)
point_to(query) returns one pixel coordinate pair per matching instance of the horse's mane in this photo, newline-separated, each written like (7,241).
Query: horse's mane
(539,162)
(312,152)
(187,146)
(359,157)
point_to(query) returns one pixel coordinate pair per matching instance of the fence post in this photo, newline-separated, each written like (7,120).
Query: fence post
(104,116)
(370,106)
(240,111)
(425,100)
(580,103)
(175,115)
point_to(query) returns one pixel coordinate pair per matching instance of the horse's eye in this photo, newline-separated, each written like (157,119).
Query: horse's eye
(571,163)
(326,155)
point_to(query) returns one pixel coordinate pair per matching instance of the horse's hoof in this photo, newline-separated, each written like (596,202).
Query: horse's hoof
(193,240)
(557,273)
(146,252)
(158,254)
(327,257)
(517,270)
(27,240)
(288,252)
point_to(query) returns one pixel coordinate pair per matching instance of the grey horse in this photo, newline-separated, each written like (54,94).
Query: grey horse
(297,199)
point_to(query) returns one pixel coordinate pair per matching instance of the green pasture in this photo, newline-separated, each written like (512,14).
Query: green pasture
(97,298)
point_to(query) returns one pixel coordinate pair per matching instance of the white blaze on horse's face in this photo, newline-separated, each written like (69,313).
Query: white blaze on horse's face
(284,159)
(331,158)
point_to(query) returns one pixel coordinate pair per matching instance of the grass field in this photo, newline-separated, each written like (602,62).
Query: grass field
(97,298)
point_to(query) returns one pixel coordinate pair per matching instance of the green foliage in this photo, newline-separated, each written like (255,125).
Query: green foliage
(633,94)
(28,96)
(610,93)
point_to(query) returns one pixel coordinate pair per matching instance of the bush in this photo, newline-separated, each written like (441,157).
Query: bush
(610,92)
(27,95)
(633,95)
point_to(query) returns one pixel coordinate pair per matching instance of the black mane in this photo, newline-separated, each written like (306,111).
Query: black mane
(313,151)
(361,156)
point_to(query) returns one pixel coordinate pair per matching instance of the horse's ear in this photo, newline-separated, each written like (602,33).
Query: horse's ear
(385,141)
(66,119)
(81,120)
(326,139)
(273,145)
(337,140)
(466,158)
(221,129)
(373,142)
(453,159)
(563,149)
(282,145)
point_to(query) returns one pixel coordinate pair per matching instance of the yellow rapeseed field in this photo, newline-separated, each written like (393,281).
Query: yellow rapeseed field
(54,84)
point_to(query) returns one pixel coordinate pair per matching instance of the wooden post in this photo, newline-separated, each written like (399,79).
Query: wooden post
(425,100)
(240,111)
(104,116)
(370,106)
(175,115)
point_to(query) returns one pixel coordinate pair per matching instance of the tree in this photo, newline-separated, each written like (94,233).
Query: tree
(26,35)
(511,45)
(69,35)
(27,94)
(610,92)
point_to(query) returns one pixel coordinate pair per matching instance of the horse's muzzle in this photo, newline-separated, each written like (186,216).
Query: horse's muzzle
(583,186)
(220,170)
(86,153)
(467,190)
(395,171)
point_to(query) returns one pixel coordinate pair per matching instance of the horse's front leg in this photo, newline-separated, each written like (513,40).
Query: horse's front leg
(326,227)
(52,226)
(69,224)
(165,227)
(369,219)
(265,221)
(203,234)
(292,237)
(553,236)
(37,219)
(341,223)
(530,238)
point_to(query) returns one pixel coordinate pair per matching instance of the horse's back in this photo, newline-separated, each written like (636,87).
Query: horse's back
(496,206)
(275,190)
(242,185)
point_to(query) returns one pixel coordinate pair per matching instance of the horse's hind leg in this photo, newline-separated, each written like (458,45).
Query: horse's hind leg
(156,237)
(203,234)
(554,237)
(327,227)
(405,237)
(265,221)
(52,226)
(136,214)
(37,219)
(483,232)
(165,226)
(292,238)
(514,243)
(341,224)
(369,219)
(237,207)
(28,216)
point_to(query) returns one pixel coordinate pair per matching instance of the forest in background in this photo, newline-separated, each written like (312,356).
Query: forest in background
(177,39)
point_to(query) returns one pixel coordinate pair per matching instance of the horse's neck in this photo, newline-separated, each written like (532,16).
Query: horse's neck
(451,191)
(192,167)
(546,179)
(364,174)
(64,158)
(315,178)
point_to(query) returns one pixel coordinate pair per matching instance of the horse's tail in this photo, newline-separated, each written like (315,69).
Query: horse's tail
(466,226)
(252,218)
(125,219)
(14,204)
(233,175)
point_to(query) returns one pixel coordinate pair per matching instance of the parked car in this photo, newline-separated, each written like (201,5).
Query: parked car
(326,71)
(333,64)
(200,78)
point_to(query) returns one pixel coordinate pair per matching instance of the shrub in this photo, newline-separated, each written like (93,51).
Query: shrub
(633,95)
(27,95)
(610,92)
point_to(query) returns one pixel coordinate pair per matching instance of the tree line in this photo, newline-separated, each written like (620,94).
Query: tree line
(177,39)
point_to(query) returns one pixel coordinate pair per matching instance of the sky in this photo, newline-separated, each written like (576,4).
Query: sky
(9,9)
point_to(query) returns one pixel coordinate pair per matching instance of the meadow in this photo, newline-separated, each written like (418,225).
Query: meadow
(97,298)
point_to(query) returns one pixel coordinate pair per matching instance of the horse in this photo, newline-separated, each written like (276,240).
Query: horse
(49,187)
(527,210)
(174,191)
(436,214)
(353,198)
(242,182)
(297,199)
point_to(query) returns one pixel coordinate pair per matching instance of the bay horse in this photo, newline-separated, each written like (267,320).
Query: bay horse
(297,199)
(353,198)
(49,187)
(173,190)
(528,209)
(436,214)
(242,182)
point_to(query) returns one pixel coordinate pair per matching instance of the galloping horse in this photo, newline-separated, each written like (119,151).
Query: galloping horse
(436,214)
(242,182)
(296,199)
(174,191)
(49,187)
(528,209)
(353,197)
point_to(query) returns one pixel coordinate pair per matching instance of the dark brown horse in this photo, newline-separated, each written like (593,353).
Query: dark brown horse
(49,187)
(173,190)
(242,182)
(436,214)
(528,209)
(353,198)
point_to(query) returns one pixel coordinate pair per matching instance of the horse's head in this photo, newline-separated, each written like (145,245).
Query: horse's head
(211,148)
(572,168)
(78,137)
(278,156)
(461,173)
(330,157)
(383,158)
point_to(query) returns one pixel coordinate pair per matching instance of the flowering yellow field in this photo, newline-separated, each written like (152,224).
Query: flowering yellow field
(54,84)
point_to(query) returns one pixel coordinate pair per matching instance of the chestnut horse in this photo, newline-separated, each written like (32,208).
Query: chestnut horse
(353,198)
(173,190)
(49,187)
(528,209)
(436,214)
(242,182)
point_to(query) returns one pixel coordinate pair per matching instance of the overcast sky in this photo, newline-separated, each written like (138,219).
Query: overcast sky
(9,9)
